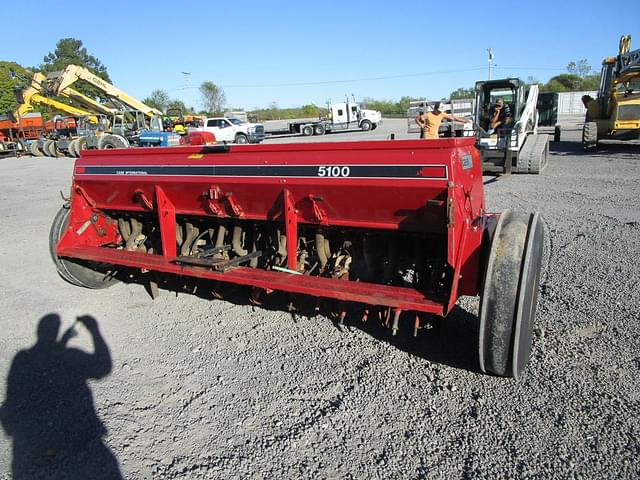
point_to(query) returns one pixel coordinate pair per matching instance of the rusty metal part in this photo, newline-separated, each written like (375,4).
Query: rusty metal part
(321,249)
(222,230)
(236,239)
(396,320)
(135,238)
(191,233)
(254,238)
(219,265)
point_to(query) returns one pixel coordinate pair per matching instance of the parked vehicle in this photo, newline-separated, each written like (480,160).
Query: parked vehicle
(233,130)
(17,133)
(615,112)
(517,147)
(342,116)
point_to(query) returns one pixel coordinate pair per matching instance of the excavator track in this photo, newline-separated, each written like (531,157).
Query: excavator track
(534,156)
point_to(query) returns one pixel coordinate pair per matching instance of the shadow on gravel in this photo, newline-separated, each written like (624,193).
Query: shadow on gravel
(604,148)
(49,412)
(452,341)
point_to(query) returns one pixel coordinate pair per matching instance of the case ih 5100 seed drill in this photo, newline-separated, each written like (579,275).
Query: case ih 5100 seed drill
(381,227)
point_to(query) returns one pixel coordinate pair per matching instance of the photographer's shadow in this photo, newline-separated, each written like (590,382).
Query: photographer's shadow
(49,410)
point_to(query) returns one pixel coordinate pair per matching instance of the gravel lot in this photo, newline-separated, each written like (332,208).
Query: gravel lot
(196,388)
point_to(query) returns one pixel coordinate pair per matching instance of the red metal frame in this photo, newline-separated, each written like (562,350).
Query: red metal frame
(444,196)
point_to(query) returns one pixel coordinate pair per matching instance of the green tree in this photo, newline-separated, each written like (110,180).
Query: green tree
(175,104)
(463,93)
(591,82)
(9,83)
(157,99)
(403,104)
(310,110)
(212,97)
(531,80)
(580,68)
(386,107)
(565,82)
(69,51)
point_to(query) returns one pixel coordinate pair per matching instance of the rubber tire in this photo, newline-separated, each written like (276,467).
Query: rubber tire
(241,139)
(82,145)
(46,148)
(319,130)
(35,151)
(112,141)
(590,136)
(366,125)
(557,131)
(307,130)
(510,293)
(3,147)
(75,272)
(72,148)
(59,153)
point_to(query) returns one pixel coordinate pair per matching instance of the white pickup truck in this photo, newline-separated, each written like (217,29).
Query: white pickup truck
(233,130)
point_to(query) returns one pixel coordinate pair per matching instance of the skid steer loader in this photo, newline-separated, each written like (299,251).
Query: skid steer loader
(515,146)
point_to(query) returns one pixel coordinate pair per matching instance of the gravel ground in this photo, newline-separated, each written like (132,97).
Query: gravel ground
(186,387)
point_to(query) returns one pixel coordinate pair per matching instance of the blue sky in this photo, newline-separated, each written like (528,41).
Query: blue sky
(294,53)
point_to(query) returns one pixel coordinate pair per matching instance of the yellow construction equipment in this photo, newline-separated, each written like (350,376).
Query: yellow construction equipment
(59,82)
(32,96)
(615,113)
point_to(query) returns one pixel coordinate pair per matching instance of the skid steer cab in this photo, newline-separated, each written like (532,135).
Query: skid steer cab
(506,118)
(388,231)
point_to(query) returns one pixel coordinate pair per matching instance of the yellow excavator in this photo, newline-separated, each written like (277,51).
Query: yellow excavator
(615,113)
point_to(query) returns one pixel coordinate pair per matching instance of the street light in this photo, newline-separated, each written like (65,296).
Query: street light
(187,86)
(490,50)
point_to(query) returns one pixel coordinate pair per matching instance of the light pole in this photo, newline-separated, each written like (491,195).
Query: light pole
(490,51)
(187,87)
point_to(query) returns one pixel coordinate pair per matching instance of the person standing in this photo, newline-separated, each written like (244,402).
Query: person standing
(429,122)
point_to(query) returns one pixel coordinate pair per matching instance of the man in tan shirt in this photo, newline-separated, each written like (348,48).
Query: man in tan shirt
(430,122)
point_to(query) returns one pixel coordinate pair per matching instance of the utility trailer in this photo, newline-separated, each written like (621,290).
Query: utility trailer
(17,134)
(389,231)
(558,108)
(460,107)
